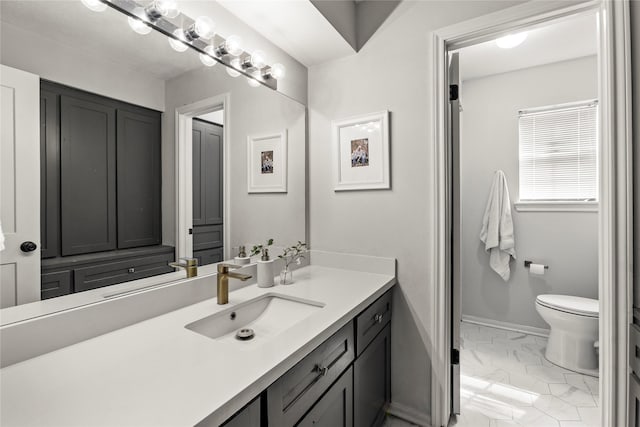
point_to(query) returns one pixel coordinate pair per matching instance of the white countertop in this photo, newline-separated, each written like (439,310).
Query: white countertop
(158,373)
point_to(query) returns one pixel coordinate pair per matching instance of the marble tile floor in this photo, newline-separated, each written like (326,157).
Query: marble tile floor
(506,381)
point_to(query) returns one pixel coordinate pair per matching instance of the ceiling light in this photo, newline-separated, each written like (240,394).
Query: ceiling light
(511,40)
(179,45)
(202,28)
(231,46)
(95,5)
(235,65)
(276,71)
(207,59)
(166,8)
(256,60)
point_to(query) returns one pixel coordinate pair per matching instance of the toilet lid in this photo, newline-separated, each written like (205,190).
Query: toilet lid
(570,304)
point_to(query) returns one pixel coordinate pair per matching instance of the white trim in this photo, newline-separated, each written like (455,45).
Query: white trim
(184,194)
(507,326)
(410,415)
(615,219)
(550,206)
(252,181)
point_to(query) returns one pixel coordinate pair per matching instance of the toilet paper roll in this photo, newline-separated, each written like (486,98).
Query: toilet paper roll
(537,269)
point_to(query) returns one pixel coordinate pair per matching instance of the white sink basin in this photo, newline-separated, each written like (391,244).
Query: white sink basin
(267,316)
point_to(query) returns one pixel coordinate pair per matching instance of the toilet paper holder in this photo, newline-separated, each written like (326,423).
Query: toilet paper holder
(528,263)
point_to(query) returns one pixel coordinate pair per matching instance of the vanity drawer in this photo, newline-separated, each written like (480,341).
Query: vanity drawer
(208,256)
(105,274)
(372,320)
(55,284)
(207,237)
(293,394)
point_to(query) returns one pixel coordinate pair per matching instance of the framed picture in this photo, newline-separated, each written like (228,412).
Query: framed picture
(267,163)
(361,152)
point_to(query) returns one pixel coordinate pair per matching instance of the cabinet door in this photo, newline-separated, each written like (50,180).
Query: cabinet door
(249,416)
(335,408)
(56,284)
(87,176)
(139,178)
(49,175)
(372,381)
(208,256)
(207,173)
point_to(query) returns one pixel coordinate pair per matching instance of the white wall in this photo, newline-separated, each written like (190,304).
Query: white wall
(566,241)
(391,72)
(635,53)
(254,217)
(82,69)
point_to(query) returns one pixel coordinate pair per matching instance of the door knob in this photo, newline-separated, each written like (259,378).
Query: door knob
(28,246)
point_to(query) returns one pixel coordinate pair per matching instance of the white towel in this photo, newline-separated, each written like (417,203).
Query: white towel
(497,227)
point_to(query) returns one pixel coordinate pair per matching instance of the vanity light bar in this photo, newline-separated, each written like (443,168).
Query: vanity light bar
(263,76)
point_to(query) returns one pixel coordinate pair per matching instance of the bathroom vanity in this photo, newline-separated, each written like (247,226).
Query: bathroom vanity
(320,358)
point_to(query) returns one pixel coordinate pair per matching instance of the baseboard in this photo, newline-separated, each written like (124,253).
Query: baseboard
(408,414)
(531,330)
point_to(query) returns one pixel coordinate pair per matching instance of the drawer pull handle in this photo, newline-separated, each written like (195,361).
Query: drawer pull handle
(321,370)
(378,318)
(132,270)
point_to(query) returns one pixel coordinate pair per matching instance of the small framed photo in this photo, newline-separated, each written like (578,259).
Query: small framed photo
(267,163)
(361,152)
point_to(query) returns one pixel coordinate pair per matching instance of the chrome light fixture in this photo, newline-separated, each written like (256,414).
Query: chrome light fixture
(95,5)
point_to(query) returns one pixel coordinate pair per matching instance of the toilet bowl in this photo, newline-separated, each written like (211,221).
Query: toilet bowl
(574,331)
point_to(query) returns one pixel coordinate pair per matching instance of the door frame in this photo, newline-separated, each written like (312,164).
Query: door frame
(184,177)
(615,220)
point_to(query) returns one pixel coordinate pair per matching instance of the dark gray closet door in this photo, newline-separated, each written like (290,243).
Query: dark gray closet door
(88,176)
(207,172)
(139,178)
(49,175)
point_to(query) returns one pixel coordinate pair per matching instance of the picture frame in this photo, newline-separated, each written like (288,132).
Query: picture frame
(267,163)
(361,152)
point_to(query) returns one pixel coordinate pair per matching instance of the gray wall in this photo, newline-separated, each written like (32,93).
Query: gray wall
(254,217)
(566,241)
(392,72)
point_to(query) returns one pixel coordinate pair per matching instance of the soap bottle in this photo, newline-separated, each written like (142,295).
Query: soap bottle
(242,257)
(265,270)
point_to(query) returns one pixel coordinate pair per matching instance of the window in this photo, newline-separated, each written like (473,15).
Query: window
(559,153)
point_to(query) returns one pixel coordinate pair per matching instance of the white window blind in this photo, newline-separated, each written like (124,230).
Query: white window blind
(559,153)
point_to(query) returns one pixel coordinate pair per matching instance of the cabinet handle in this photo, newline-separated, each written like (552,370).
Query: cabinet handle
(132,270)
(378,318)
(321,370)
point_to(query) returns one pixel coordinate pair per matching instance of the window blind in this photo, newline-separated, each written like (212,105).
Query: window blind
(559,153)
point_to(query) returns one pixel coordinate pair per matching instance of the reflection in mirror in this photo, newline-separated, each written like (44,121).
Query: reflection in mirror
(143,155)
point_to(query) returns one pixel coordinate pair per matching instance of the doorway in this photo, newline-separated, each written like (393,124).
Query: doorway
(614,221)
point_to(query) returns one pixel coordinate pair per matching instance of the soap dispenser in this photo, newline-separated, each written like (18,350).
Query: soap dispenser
(242,258)
(265,270)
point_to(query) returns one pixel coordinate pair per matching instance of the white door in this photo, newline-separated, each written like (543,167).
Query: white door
(19,186)
(456,314)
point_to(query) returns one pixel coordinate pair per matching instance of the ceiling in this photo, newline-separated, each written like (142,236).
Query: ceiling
(565,39)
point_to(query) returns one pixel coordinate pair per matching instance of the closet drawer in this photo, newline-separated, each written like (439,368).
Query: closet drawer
(207,237)
(105,274)
(55,284)
(293,394)
(208,256)
(371,321)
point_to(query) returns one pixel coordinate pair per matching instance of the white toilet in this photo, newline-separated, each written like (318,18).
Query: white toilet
(574,331)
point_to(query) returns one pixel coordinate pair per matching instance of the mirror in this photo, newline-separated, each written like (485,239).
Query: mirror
(157,157)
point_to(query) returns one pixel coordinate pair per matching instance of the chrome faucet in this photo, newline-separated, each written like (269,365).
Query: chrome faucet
(223,281)
(190,265)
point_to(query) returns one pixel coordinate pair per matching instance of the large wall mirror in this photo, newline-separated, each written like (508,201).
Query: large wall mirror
(144,155)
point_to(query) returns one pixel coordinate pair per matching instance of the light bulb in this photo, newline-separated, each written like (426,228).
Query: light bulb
(137,24)
(167,8)
(207,59)
(95,5)
(233,45)
(278,71)
(235,63)
(177,45)
(253,81)
(203,27)
(258,59)
(511,40)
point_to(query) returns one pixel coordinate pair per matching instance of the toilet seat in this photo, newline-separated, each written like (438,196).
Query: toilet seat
(570,304)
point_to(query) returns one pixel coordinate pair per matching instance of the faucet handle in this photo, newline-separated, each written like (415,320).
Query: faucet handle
(191,262)
(223,267)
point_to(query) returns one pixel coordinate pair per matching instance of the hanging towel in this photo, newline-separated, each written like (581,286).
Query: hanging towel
(497,227)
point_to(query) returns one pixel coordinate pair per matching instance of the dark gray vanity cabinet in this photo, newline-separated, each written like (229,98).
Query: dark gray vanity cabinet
(87,176)
(335,408)
(100,189)
(372,381)
(207,191)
